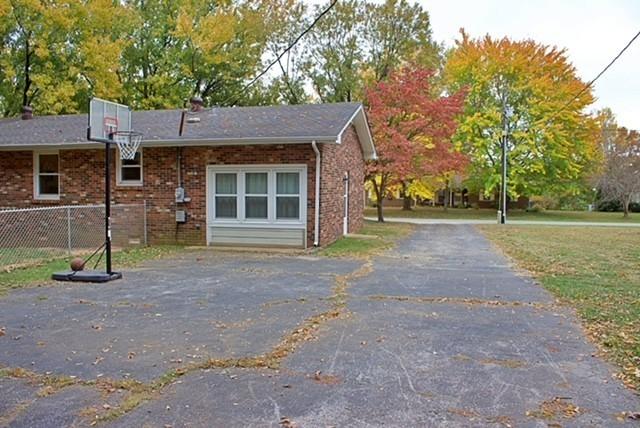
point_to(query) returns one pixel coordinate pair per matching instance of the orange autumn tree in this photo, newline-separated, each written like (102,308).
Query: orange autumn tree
(412,127)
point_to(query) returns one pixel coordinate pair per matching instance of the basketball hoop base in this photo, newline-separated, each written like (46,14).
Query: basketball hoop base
(86,276)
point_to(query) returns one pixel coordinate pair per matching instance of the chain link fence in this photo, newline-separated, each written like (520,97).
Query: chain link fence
(32,236)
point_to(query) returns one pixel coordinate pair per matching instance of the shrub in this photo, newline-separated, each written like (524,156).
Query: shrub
(609,206)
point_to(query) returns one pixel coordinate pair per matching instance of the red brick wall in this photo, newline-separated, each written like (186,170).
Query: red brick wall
(16,179)
(82,182)
(194,168)
(336,160)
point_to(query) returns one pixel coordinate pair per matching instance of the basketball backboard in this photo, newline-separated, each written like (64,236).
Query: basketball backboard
(105,118)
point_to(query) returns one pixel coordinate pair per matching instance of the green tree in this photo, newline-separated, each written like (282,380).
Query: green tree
(357,44)
(526,90)
(206,48)
(335,52)
(396,31)
(287,21)
(55,53)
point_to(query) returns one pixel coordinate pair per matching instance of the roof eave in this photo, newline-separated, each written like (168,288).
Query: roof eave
(360,122)
(178,142)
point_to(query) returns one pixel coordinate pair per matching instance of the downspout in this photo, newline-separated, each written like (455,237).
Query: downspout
(316,225)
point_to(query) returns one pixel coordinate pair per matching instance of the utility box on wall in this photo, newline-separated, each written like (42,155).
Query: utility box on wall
(181,216)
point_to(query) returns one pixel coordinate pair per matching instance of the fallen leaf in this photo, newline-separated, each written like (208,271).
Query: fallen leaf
(287,423)
(634,416)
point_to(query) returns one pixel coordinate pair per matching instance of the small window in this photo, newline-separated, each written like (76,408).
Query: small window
(47,175)
(226,195)
(130,171)
(256,195)
(288,195)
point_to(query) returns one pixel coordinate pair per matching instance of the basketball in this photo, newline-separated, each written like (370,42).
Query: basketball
(77,264)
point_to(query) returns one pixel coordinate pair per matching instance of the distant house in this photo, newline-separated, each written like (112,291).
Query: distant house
(274,176)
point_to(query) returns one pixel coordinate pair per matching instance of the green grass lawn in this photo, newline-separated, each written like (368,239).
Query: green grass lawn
(40,274)
(375,237)
(18,257)
(490,214)
(595,270)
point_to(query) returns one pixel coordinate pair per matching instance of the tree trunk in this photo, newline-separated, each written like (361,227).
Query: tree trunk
(379,190)
(447,192)
(625,205)
(380,215)
(406,199)
(27,71)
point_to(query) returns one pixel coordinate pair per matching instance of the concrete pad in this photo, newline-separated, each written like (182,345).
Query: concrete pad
(494,363)
(448,261)
(15,395)
(164,315)
(62,409)
(440,354)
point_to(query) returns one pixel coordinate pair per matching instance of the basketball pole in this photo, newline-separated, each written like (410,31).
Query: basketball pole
(107,204)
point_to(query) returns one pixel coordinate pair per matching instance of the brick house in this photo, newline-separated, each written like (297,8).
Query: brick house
(250,175)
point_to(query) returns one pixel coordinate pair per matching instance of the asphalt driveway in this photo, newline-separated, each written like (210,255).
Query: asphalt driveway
(440,331)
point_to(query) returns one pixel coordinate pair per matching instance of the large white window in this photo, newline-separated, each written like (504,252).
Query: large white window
(46,175)
(257,194)
(129,171)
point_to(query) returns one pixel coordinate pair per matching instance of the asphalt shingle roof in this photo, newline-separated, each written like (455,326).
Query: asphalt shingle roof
(287,122)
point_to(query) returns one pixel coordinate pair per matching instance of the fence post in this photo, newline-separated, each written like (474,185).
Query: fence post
(69,229)
(144,220)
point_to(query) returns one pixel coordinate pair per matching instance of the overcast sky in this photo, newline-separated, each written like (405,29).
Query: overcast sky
(592,31)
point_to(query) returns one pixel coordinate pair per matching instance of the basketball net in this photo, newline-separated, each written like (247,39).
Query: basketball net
(128,143)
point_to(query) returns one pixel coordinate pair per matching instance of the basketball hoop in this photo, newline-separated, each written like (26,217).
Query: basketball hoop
(128,143)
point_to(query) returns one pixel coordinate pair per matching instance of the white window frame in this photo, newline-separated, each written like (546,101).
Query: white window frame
(271,221)
(36,176)
(242,195)
(285,195)
(215,194)
(119,166)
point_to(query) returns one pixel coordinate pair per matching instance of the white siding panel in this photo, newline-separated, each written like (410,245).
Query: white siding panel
(255,236)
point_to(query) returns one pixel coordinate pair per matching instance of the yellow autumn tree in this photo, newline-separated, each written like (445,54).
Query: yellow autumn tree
(529,90)
(57,53)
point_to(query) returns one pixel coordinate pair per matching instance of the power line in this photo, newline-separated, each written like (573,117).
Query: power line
(275,61)
(263,72)
(590,84)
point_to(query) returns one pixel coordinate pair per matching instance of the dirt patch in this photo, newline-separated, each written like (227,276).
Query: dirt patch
(509,363)
(557,407)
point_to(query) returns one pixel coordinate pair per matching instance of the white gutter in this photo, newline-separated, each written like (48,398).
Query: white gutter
(316,223)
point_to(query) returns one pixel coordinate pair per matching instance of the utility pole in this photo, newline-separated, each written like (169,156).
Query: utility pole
(507,112)
(503,189)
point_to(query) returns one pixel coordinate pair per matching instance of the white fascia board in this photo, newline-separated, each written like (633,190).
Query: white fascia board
(359,120)
(176,143)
